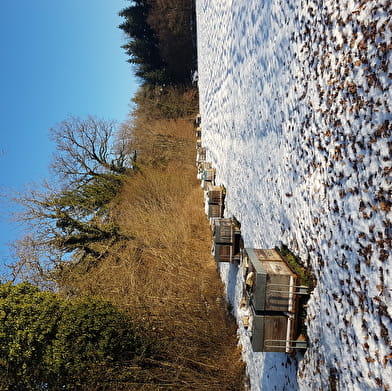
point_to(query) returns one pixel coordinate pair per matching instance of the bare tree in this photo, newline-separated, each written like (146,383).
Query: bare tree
(68,218)
(86,148)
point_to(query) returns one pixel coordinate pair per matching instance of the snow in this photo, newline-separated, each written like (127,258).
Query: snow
(295,101)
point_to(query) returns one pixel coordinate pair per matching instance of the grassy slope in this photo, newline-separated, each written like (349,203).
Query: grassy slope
(165,276)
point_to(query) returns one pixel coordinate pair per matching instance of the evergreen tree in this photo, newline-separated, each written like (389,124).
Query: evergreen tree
(142,46)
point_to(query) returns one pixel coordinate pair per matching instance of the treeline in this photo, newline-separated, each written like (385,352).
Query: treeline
(161,40)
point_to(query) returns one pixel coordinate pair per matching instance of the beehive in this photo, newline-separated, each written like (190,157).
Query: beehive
(227,241)
(270,283)
(214,210)
(201,155)
(271,333)
(208,178)
(209,174)
(215,195)
(197,121)
(198,132)
(201,167)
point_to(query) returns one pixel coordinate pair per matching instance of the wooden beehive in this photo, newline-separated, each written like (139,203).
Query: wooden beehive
(271,292)
(227,241)
(214,201)
(214,210)
(224,230)
(201,167)
(197,121)
(208,177)
(272,333)
(198,132)
(223,252)
(201,155)
(209,174)
(215,195)
(270,283)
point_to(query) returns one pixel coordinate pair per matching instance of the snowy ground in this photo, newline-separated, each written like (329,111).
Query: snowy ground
(296,103)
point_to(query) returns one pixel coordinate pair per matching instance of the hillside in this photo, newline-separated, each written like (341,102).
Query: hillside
(164,276)
(296,118)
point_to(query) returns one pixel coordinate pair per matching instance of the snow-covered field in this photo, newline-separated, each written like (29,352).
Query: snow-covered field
(295,101)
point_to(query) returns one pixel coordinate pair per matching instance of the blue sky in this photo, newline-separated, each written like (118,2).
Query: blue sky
(57,58)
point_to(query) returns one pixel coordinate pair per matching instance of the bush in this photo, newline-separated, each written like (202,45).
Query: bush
(47,342)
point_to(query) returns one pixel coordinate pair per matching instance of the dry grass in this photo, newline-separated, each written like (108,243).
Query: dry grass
(165,276)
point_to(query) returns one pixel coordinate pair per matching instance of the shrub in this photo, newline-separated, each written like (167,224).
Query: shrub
(47,342)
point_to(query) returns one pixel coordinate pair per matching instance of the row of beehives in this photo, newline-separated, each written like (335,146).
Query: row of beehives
(270,291)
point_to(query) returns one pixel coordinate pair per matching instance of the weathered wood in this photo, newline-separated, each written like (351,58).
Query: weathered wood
(227,241)
(274,282)
(224,230)
(270,288)
(270,333)
(223,252)
(215,210)
(215,194)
